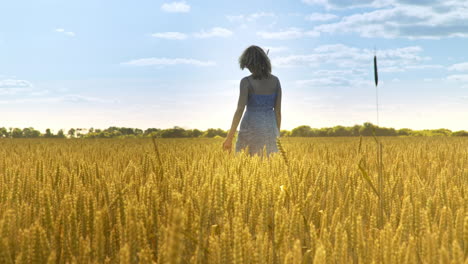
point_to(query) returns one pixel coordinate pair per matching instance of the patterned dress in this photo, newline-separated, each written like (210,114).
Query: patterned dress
(258,128)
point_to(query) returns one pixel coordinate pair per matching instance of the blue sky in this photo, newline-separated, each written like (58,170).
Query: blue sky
(165,63)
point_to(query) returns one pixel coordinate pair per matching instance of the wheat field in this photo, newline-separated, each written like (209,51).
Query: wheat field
(326,200)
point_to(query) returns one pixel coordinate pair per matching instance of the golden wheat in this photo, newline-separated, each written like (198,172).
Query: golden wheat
(186,201)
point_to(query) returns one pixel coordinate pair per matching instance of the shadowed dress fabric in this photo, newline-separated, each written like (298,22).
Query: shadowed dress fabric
(258,128)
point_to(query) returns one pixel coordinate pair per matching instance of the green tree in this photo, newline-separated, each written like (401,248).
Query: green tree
(60,134)
(176,132)
(404,132)
(138,132)
(151,131)
(48,133)
(461,133)
(212,132)
(367,129)
(4,132)
(441,132)
(71,132)
(17,133)
(194,133)
(285,133)
(339,131)
(79,134)
(30,132)
(116,133)
(301,131)
(104,134)
(355,130)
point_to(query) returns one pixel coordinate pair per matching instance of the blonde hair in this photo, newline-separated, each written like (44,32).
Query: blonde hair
(256,60)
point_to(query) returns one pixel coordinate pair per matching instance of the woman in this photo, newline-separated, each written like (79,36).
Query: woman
(261,93)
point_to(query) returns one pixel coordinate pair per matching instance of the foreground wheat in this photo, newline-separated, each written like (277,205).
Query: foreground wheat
(111,201)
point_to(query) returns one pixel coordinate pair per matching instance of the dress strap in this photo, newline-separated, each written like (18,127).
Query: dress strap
(250,86)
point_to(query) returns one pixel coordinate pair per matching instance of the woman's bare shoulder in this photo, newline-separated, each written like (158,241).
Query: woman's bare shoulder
(245,78)
(274,77)
(244,83)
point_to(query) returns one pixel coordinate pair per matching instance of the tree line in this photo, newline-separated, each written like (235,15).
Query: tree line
(367,129)
(112,132)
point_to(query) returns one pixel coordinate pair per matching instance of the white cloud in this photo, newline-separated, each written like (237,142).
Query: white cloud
(431,19)
(320,17)
(69,98)
(23,87)
(214,32)
(75,98)
(12,83)
(326,79)
(342,56)
(249,17)
(39,92)
(458,77)
(170,35)
(167,61)
(348,4)
(459,67)
(63,31)
(403,68)
(295,60)
(340,4)
(424,67)
(12,91)
(277,49)
(291,33)
(176,7)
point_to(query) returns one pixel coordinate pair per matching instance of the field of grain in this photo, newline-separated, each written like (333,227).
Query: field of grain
(187,201)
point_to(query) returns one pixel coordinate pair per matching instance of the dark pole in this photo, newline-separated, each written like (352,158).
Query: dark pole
(376,78)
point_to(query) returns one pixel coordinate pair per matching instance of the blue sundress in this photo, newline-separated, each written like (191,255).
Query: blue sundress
(258,128)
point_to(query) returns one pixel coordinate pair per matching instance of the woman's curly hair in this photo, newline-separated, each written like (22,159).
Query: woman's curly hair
(256,60)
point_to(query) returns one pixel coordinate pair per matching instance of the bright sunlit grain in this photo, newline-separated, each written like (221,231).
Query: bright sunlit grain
(111,201)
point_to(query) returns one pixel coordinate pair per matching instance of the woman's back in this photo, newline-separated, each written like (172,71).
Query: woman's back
(264,86)
(258,128)
(261,94)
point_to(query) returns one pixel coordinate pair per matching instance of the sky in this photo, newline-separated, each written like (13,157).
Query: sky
(162,64)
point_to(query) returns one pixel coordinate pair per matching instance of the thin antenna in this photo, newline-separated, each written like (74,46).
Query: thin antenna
(376,79)
(268,51)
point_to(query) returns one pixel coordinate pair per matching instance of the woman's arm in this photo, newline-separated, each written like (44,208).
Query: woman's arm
(278,107)
(243,97)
